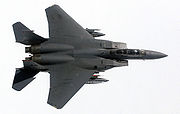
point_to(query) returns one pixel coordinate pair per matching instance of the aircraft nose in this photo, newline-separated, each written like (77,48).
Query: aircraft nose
(154,55)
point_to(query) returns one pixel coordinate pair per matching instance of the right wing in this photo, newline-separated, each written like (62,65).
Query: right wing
(62,25)
(65,81)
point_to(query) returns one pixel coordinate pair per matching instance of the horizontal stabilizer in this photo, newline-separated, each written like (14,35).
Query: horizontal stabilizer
(19,86)
(23,77)
(25,36)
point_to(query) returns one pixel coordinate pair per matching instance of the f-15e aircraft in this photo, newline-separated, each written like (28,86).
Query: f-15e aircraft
(71,55)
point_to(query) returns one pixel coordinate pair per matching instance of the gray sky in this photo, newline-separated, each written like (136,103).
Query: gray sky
(144,87)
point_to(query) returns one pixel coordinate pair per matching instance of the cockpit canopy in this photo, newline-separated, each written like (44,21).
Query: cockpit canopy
(128,52)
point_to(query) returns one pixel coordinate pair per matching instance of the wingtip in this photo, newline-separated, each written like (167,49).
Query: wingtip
(52,6)
(55,106)
(14,24)
(15,88)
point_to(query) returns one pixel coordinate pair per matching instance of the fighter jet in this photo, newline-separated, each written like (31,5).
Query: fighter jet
(71,55)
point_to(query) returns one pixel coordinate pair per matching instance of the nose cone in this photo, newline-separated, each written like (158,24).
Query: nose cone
(154,55)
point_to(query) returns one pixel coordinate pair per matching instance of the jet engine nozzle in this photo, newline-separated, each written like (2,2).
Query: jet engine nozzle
(27,49)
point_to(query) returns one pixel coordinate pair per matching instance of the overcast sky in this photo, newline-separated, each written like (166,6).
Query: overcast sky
(144,87)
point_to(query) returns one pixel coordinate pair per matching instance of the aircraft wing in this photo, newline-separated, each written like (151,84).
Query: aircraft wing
(62,25)
(65,81)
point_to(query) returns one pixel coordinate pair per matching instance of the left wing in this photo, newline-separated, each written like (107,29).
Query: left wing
(62,25)
(65,81)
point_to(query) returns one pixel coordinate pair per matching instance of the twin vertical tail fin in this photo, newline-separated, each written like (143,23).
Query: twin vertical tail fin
(25,36)
(25,75)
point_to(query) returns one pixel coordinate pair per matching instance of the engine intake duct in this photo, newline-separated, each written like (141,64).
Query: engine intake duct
(46,48)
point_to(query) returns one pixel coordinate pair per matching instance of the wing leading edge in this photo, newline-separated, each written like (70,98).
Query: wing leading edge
(65,81)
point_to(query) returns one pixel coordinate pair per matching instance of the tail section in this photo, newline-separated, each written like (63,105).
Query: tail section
(23,77)
(25,36)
